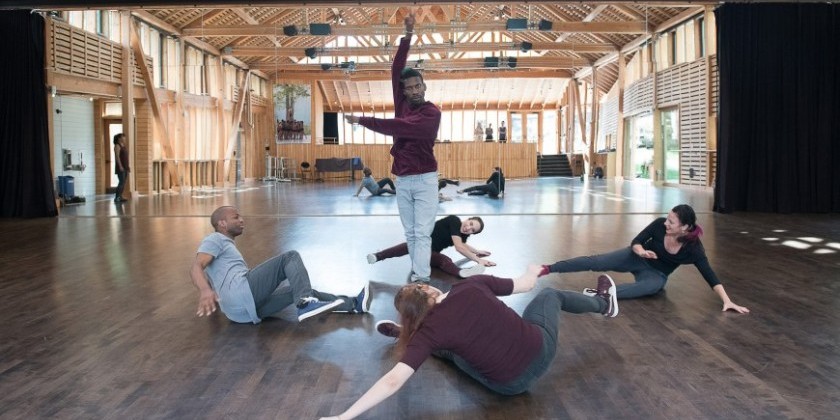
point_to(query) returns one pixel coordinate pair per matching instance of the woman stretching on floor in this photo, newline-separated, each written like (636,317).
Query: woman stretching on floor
(481,335)
(654,253)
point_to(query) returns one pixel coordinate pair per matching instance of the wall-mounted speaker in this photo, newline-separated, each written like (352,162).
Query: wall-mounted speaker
(516,24)
(491,61)
(319,29)
(544,25)
(290,30)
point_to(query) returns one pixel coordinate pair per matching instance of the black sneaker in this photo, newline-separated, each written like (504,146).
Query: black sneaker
(363,300)
(389,328)
(606,290)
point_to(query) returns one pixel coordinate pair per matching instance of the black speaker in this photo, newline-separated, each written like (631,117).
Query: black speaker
(526,46)
(491,61)
(517,24)
(511,62)
(311,52)
(544,25)
(290,30)
(319,29)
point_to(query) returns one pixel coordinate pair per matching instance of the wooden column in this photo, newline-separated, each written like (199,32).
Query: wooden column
(127,84)
(619,141)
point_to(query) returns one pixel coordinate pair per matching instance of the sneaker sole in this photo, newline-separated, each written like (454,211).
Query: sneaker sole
(371,260)
(613,298)
(366,300)
(320,310)
(472,271)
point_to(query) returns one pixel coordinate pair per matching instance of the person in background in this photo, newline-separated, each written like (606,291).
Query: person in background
(494,186)
(121,167)
(375,187)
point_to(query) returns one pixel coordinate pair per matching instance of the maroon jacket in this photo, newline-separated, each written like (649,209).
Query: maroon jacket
(414,129)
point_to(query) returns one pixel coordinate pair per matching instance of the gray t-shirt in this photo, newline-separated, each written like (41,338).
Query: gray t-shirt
(371,185)
(227,274)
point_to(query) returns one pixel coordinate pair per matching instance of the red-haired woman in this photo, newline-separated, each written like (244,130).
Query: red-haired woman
(481,335)
(654,253)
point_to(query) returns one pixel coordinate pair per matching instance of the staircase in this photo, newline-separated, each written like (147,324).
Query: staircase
(553,165)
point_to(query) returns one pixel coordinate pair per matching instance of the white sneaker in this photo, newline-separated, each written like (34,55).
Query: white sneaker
(371,258)
(467,272)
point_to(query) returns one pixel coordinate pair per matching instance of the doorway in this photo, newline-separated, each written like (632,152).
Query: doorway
(638,147)
(670,126)
(112,128)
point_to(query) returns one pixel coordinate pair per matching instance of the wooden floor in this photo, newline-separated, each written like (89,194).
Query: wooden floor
(98,311)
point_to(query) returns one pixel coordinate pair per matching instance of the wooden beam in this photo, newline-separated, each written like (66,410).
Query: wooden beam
(139,58)
(628,27)
(420,49)
(303,75)
(244,95)
(443,65)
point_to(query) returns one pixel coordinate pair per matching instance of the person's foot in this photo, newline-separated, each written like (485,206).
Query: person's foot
(420,279)
(467,272)
(372,258)
(308,307)
(389,328)
(460,191)
(443,198)
(363,300)
(457,182)
(606,290)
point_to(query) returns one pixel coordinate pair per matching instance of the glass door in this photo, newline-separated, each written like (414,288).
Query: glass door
(670,126)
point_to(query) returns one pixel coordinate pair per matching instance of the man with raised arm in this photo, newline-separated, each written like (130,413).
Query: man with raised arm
(414,129)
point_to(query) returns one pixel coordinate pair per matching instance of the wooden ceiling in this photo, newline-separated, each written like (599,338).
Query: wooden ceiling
(453,39)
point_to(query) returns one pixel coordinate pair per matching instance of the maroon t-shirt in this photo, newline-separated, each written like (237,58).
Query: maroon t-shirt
(474,324)
(414,129)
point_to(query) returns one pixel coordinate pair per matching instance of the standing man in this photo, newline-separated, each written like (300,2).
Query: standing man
(120,166)
(414,129)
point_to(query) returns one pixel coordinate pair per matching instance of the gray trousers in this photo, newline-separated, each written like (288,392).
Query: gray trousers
(544,312)
(649,280)
(271,296)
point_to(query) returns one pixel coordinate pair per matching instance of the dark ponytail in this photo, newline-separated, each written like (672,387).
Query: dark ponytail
(687,217)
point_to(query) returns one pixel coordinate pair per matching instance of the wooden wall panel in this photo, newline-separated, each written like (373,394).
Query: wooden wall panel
(467,160)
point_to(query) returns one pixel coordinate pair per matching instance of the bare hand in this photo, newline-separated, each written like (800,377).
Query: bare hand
(207,303)
(648,254)
(486,263)
(736,308)
(409,22)
(352,119)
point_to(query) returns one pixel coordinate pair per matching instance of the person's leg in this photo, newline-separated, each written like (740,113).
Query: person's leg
(265,278)
(405,206)
(387,181)
(622,260)
(648,282)
(445,264)
(425,211)
(392,252)
(387,190)
(120,186)
(474,190)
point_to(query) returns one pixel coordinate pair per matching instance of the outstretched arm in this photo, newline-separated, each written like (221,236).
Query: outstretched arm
(470,252)
(527,280)
(361,185)
(382,389)
(728,304)
(207,296)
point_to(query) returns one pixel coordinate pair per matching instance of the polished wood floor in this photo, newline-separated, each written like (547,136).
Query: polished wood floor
(98,313)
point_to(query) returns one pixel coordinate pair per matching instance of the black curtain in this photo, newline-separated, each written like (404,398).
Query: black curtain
(779,116)
(26,183)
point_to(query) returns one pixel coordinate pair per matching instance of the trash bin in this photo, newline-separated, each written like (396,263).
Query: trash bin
(66,186)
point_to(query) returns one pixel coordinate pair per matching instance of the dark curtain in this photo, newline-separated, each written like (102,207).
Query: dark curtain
(26,184)
(779,116)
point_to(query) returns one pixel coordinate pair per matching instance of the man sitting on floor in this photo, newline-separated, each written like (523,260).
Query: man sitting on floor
(248,295)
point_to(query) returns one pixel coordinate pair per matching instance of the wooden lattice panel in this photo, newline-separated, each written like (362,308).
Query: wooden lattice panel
(638,97)
(714,87)
(608,120)
(684,86)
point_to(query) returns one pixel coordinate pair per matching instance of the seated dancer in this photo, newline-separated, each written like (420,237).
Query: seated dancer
(375,188)
(494,186)
(449,231)
(483,337)
(653,254)
(248,295)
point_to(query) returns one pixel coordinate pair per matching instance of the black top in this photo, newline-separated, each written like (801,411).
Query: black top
(652,238)
(444,230)
(498,178)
